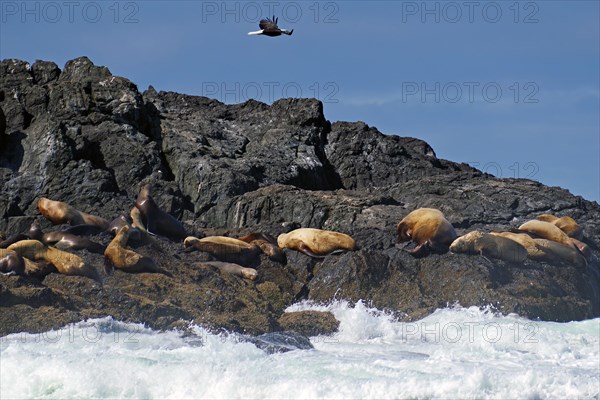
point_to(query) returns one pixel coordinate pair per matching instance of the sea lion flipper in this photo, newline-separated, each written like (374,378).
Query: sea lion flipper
(304,249)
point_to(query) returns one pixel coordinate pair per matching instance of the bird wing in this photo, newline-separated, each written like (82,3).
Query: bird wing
(268,24)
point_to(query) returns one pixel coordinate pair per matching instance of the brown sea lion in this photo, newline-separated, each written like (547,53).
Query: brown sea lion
(547,230)
(65,263)
(316,243)
(117,223)
(267,244)
(566,224)
(428,228)
(127,260)
(11,262)
(489,245)
(233,269)
(64,240)
(62,213)
(145,236)
(225,248)
(156,220)
(84,229)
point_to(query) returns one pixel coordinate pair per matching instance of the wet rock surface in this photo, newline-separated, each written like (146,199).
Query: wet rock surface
(91,139)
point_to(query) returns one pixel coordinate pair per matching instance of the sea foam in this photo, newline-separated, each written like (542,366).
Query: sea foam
(453,353)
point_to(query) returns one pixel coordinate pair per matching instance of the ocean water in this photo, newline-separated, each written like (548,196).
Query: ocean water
(453,353)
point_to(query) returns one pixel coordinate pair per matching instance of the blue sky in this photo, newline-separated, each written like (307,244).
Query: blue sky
(511,87)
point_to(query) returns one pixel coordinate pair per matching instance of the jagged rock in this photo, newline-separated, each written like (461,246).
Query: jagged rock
(309,323)
(280,342)
(91,139)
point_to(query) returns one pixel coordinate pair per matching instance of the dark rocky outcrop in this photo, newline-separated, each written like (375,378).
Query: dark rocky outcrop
(91,139)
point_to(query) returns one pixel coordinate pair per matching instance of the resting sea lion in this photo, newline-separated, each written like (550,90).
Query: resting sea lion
(225,248)
(84,229)
(11,262)
(13,239)
(62,213)
(316,243)
(125,259)
(64,240)
(267,244)
(566,224)
(156,220)
(65,263)
(489,245)
(546,230)
(428,228)
(234,269)
(546,250)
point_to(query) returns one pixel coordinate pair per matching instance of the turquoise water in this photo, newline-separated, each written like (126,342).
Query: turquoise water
(453,353)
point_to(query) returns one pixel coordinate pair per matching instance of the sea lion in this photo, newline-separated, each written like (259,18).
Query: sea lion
(316,243)
(524,240)
(267,244)
(545,250)
(489,245)
(428,228)
(117,223)
(11,262)
(145,236)
(225,248)
(13,239)
(560,253)
(566,224)
(65,263)
(233,269)
(64,240)
(84,229)
(62,213)
(547,230)
(127,260)
(156,220)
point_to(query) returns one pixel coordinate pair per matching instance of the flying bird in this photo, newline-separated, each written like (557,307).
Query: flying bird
(269,27)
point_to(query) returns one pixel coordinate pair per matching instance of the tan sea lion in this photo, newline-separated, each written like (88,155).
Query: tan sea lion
(156,220)
(225,248)
(11,262)
(545,250)
(65,263)
(566,224)
(267,244)
(62,213)
(316,243)
(127,260)
(524,240)
(547,230)
(233,269)
(428,228)
(489,245)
